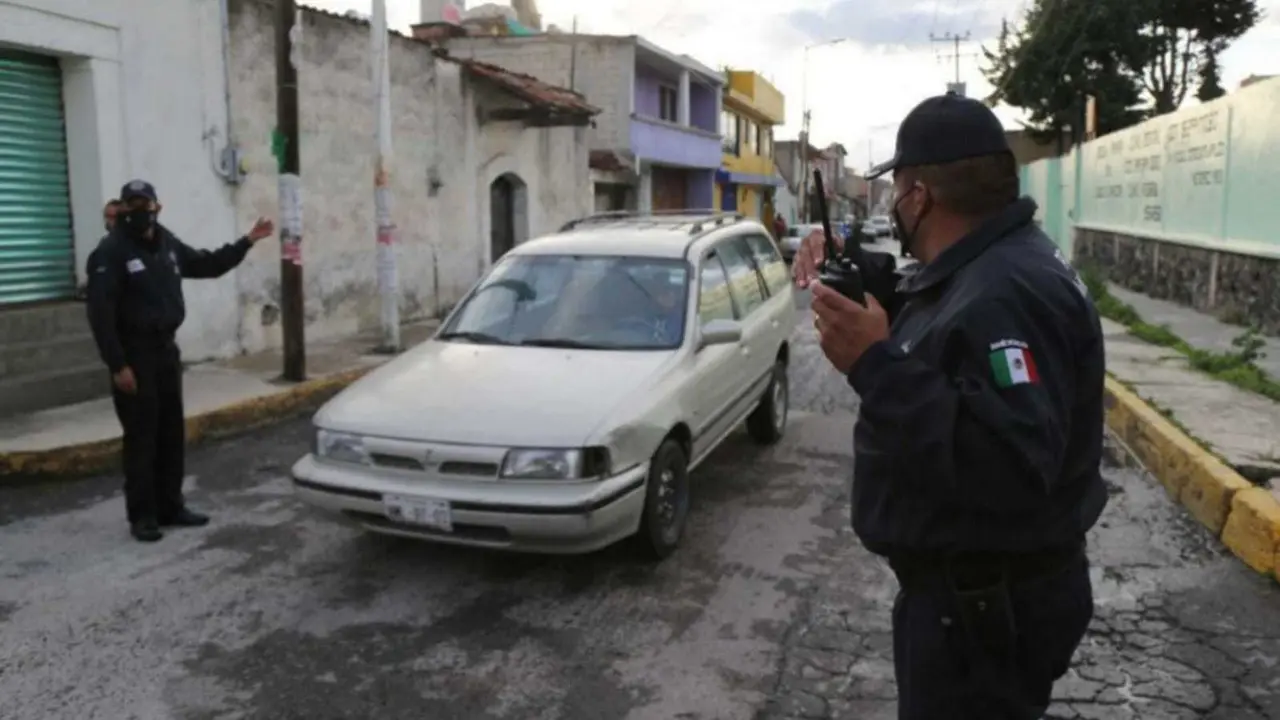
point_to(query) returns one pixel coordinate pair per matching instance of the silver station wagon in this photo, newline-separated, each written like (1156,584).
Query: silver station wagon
(563,404)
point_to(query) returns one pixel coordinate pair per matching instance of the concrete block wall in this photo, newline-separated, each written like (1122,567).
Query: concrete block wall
(603,71)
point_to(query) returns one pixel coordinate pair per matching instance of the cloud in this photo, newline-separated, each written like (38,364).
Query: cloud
(885,22)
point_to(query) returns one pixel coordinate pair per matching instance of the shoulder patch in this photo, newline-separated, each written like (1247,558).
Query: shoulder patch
(1012,364)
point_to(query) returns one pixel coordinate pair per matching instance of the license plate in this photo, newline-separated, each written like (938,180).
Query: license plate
(435,514)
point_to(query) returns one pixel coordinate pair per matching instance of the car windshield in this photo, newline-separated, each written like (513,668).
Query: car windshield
(577,301)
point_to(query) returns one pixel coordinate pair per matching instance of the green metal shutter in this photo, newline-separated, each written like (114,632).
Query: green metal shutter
(37,252)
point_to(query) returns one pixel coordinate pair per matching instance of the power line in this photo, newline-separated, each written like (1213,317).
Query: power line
(955,40)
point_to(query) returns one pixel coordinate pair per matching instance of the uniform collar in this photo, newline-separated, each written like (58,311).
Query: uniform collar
(1016,215)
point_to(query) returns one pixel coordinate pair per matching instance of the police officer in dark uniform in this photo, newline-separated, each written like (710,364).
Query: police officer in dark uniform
(979,435)
(135,307)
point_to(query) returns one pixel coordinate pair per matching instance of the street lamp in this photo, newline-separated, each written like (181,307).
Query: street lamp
(804,123)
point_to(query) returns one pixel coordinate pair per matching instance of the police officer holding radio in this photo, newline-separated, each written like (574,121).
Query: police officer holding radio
(979,433)
(135,307)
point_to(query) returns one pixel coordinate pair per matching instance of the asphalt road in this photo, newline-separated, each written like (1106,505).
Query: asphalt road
(771,609)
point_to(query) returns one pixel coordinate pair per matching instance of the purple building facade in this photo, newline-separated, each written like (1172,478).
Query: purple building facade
(675,137)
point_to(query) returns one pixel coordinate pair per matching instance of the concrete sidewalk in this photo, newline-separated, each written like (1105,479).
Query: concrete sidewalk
(1198,329)
(221,397)
(1213,446)
(1240,426)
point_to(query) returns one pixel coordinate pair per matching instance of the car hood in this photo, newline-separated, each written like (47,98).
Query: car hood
(491,395)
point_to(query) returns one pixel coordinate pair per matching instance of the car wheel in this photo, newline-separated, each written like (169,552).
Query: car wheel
(666,502)
(769,420)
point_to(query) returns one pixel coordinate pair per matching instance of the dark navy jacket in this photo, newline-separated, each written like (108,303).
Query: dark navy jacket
(980,424)
(135,287)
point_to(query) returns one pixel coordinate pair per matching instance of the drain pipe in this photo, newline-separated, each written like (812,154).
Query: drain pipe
(229,160)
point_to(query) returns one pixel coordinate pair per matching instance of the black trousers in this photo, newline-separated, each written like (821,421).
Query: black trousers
(154,430)
(987,641)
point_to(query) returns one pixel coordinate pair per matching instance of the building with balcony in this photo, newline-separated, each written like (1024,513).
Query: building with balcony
(747,179)
(656,143)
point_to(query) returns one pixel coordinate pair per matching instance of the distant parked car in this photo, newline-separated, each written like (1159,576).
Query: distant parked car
(565,402)
(879,226)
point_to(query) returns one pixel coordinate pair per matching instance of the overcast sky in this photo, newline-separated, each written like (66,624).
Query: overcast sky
(858,87)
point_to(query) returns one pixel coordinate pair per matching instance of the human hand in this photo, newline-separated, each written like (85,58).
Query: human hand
(845,328)
(263,228)
(810,256)
(125,382)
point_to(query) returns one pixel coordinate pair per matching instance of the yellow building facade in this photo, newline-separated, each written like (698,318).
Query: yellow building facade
(747,179)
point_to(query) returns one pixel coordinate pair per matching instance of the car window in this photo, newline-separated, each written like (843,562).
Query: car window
(714,301)
(744,282)
(770,263)
(575,301)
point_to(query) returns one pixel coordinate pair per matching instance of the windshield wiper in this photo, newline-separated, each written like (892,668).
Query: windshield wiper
(561,343)
(475,337)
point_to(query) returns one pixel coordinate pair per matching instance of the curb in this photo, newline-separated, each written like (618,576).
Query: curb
(94,457)
(1244,517)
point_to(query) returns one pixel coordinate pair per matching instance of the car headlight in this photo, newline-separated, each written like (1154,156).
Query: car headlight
(341,447)
(555,464)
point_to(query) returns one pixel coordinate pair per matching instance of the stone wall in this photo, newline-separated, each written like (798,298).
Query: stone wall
(1239,289)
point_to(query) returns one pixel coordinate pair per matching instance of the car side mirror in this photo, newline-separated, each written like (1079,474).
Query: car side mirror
(719,332)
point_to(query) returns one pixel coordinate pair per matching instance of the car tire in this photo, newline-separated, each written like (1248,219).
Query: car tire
(666,503)
(768,421)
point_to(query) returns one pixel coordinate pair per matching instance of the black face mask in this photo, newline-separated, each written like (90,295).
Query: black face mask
(908,236)
(136,222)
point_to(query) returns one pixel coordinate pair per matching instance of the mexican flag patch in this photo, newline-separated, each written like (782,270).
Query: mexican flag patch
(1013,365)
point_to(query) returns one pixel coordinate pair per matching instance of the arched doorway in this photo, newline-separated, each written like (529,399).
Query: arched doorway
(508,214)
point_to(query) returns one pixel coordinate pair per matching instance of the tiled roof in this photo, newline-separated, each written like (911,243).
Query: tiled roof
(558,100)
(608,161)
(526,87)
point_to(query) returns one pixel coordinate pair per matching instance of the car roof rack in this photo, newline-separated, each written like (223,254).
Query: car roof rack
(699,220)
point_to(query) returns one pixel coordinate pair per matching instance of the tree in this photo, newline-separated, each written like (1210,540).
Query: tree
(1061,52)
(1180,42)
(1138,58)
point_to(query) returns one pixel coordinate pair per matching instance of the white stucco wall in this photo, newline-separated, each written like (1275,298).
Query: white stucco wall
(144,97)
(442,166)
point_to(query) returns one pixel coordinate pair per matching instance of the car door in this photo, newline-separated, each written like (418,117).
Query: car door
(777,281)
(750,300)
(715,367)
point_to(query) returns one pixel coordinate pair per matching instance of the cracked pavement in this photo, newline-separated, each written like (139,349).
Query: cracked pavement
(770,610)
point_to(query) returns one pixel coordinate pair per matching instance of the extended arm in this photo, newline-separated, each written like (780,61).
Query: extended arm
(203,264)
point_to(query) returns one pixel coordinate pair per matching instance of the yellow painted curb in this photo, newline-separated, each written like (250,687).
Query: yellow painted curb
(1246,518)
(1253,530)
(93,457)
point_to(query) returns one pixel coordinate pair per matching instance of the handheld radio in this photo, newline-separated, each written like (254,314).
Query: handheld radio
(839,272)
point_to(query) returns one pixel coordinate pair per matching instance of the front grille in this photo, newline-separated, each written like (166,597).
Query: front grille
(399,462)
(474,469)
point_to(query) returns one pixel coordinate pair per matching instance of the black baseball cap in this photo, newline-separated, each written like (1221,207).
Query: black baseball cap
(944,129)
(138,189)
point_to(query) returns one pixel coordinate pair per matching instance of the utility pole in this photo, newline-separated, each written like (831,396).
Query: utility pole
(293,317)
(955,41)
(804,168)
(388,280)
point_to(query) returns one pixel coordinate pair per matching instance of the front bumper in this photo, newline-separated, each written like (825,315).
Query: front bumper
(528,516)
